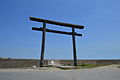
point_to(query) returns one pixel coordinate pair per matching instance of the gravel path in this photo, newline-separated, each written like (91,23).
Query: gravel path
(101,73)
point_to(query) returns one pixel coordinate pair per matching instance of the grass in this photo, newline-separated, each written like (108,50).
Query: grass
(86,65)
(118,66)
(80,66)
(83,65)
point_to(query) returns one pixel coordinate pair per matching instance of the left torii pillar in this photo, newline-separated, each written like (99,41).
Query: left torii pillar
(43,45)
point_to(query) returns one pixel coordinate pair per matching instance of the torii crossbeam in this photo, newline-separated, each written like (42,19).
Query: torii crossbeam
(44,30)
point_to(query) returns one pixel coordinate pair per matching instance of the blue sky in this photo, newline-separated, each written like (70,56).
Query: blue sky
(101,35)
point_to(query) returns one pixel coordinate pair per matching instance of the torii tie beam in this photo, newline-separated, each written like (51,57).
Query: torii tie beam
(44,30)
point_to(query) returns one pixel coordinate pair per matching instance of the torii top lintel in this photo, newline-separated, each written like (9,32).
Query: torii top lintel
(56,23)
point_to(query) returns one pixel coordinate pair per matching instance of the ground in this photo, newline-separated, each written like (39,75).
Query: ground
(110,72)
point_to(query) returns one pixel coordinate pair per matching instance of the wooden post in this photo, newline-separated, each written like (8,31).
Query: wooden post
(74,46)
(43,44)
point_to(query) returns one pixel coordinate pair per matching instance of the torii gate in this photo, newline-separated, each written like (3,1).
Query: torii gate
(44,30)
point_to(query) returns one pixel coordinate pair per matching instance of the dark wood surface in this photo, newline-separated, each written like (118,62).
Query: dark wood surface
(56,23)
(43,44)
(54,31)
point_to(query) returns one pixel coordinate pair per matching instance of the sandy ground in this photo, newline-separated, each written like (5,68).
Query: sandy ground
(100,73)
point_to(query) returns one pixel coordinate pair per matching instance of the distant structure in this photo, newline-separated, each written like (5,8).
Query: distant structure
(44,30)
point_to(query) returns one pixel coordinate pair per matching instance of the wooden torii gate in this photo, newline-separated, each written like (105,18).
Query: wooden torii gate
(44,30)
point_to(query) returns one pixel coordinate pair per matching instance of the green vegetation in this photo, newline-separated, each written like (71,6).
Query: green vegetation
(3,58)
(84,65)
(118,66)
(49,66)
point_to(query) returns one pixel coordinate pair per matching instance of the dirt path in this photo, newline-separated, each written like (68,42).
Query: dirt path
(100,73)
